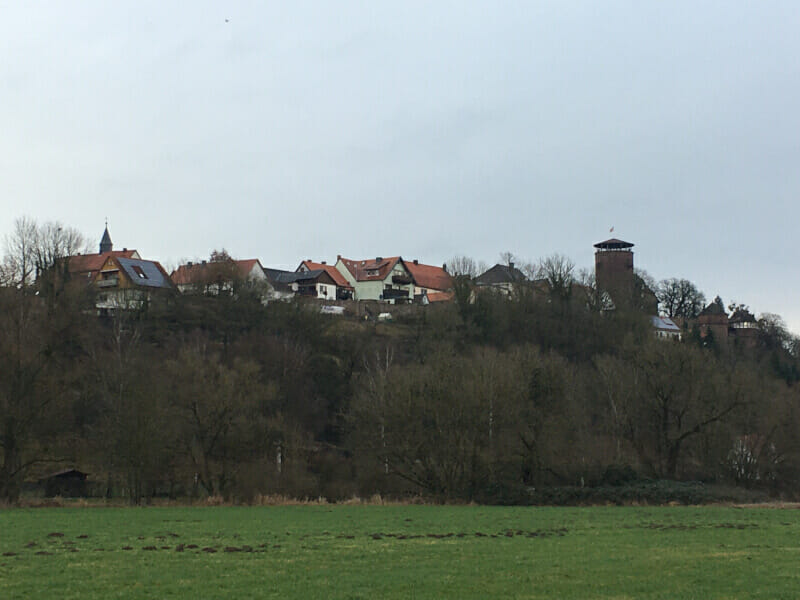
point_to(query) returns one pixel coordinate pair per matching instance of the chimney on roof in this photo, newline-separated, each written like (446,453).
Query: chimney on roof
(124,249)
(338,257)
(204,262)
(510,266)
(323,263)
(378,258)
(189,264)
(416,262)
(444,267)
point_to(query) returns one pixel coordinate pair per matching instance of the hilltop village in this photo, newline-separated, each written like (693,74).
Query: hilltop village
(230,379)
(123,280)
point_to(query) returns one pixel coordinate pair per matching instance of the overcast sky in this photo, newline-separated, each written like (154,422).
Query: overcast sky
(293,130)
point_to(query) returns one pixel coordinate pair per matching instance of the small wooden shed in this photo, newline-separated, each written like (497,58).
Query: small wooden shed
(69,483)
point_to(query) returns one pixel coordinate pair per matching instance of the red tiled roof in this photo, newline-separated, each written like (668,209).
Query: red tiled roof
(185,274)
(440,296)
(246,266)
(429,276)
(87,265)
(83,263)
(362,270)
(334,273)
(197,272)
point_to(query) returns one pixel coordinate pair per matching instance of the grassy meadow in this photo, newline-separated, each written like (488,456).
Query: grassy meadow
(356,551)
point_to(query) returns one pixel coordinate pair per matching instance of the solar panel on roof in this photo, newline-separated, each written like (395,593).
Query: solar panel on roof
(144,273)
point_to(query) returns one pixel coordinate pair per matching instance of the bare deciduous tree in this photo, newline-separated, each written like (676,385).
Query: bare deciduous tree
(221,413)
(663,396)
(679,298)
(462,266)
(32,250)
(508,258)
(19,262)
(135,437)
(557,271)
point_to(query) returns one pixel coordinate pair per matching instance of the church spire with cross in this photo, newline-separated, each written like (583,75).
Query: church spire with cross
(105,242)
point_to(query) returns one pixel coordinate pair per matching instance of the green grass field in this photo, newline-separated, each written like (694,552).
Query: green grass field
(400,552)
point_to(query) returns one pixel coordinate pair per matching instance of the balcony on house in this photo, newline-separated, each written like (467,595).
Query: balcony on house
(394,294)
(306,290)
(401,279)
(108,279)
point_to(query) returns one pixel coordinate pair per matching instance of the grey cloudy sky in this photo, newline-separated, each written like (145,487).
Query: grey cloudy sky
(427,129)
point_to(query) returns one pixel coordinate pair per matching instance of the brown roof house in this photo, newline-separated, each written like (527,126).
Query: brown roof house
(341,289)
(220,276)
(431,283)
(385,279)
(129,284)
(84,267)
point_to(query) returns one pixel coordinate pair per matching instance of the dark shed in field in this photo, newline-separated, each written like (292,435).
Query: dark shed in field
(70,483)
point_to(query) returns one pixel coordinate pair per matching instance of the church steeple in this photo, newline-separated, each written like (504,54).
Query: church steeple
(105,243)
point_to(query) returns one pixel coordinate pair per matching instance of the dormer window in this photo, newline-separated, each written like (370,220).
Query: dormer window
(138,270)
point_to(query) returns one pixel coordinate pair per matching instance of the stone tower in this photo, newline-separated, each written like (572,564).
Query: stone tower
(613,269)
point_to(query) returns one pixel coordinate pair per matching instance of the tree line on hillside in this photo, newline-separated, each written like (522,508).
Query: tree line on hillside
(485,398)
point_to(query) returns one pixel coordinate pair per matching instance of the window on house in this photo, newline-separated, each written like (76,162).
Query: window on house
(138,270)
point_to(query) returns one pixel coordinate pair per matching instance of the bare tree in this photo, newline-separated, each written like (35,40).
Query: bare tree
(462,266)
(19,262)
(508,258)
(54,242)
(38,363)
(529,269)
(664,396)
(32,250)
(679,298)
(453,424)
(377,371)
(221,274)
(134,437)
(595,298)
(219,411)
(774,333)
(557,271)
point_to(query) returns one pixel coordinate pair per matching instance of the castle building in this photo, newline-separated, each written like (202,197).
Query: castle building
(613,270)
(616,279)
(714,319)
